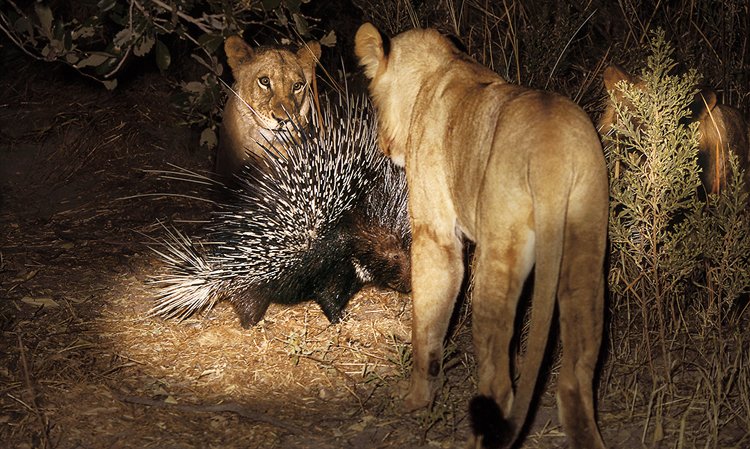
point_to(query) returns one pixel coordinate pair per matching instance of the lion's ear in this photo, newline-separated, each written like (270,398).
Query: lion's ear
(368,46)
(613,75)
(709,96)
(703,102)
(238,52)
(308,55)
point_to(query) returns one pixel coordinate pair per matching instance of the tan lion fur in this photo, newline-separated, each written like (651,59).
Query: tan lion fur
(258,112)
(521,173)
(722,129)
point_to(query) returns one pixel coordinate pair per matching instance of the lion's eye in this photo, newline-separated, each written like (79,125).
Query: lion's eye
(297,86)
(264,81)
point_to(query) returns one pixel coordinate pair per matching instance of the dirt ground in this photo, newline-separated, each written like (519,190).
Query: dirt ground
(82,366)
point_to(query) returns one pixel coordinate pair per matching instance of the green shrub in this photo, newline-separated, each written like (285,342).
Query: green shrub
(678,265)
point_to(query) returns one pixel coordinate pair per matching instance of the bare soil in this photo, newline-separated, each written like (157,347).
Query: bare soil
(82,366)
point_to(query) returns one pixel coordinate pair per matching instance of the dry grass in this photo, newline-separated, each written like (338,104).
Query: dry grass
(81,364)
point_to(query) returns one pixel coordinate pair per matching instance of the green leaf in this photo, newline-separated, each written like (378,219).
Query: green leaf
(144,45)
(106,5)
(68,41)
(23,25)
(93,60)
(45,18)
(211,42)
(58,31)
(119,16)
(329,40)
(56,46)
(122,38)
(293,5)
(195,87)
(163,58)
(110,84)
(271,4)
(106,66)
(281,17)
(301,24)
(84,32)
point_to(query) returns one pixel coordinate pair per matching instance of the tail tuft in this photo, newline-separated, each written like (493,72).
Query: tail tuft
(488,423)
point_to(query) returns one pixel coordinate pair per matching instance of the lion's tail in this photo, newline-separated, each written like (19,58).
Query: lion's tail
(549,218)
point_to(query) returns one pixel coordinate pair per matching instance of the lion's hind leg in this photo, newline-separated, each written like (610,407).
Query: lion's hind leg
(502,265)
(581,306)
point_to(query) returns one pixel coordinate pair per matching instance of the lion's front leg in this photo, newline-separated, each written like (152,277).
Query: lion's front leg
(437,271)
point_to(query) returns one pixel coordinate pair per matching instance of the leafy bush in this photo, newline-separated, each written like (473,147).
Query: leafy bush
(100,39)
(678,265)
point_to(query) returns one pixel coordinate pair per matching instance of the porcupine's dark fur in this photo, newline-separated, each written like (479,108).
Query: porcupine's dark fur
(382,231)
(317,224)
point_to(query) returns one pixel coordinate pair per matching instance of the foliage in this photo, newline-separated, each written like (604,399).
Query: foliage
(653,183)
(101,39)
(678,265)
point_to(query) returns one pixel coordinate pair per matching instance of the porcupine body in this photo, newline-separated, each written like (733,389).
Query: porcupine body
(317,223)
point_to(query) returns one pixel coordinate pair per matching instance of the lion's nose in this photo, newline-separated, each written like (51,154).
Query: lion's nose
(281,121)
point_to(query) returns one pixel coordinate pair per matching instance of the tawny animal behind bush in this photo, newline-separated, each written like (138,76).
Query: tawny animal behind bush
(521,173)
(271,96)
(722,129)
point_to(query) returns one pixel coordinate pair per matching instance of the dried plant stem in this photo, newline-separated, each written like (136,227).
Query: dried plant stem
(38,412)
(233,407)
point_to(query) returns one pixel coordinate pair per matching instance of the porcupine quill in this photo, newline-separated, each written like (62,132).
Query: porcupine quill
(315,222)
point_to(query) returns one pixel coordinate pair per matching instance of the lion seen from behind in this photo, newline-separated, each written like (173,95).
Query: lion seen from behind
(521,173)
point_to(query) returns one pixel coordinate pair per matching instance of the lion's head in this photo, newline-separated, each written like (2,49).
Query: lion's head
(274,82)
(271,95)
(394,67)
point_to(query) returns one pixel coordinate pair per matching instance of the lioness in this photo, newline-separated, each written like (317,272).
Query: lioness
(272,87)
(521,173)
(722,129)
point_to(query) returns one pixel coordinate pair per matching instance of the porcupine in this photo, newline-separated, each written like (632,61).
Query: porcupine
(317,223)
